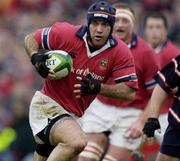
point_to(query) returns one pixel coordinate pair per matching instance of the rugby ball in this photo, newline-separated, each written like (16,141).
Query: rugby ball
(60,62)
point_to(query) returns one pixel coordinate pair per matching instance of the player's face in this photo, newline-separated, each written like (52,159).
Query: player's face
(155,31)
(123,28)
(99,32)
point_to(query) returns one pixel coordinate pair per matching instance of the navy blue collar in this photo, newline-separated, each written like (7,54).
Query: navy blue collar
(133,41)
(83,30)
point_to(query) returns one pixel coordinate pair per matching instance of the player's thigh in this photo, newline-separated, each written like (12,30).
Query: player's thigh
(164,157)
(117,153)
(38,157)
(68,132)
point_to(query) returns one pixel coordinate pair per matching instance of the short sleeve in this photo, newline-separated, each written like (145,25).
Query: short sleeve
(169,77)
(124,68)
(56,36)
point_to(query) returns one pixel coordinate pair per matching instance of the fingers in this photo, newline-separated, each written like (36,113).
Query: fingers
(159,131)
(51,75)
(80,88)
(51,71)
(89,76)
(79,78)
(49,56)
(77,91)
(131,133)
(77,88)
(46,56)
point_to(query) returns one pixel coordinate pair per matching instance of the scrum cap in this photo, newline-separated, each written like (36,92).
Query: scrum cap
(101,11)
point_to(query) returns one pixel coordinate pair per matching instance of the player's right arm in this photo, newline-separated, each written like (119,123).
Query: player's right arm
(31,44)
(152,123)
(37,59)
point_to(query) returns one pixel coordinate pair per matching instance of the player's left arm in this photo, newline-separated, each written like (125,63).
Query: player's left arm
(117,91)
(89,85)
(122,73)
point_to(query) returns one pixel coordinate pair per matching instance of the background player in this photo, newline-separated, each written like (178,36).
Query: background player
(156,34)
(168,82)
(121,121)
(97,55)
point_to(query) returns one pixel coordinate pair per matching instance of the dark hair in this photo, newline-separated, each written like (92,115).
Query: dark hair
(121,5)
(156,15)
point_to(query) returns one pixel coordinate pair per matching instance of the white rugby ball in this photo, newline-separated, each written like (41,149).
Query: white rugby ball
(60,62)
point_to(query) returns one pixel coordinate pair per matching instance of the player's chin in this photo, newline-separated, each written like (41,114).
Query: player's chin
(98,43)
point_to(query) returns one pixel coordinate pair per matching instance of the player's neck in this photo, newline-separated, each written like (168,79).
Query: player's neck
(128,39)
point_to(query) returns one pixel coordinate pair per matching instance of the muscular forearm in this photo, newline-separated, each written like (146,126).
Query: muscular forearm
(154,105)
(30,44)
(117,91)
(157,99)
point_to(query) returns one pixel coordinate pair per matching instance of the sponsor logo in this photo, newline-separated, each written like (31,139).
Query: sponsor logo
(84,72)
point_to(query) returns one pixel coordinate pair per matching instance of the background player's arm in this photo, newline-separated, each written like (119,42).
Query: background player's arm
(31,44)
(154,105)
(157,99)
(117,91)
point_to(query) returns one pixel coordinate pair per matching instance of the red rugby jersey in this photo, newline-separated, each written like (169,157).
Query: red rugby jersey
(114,59)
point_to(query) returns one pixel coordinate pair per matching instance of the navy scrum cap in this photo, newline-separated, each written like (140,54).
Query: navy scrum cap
(102,11)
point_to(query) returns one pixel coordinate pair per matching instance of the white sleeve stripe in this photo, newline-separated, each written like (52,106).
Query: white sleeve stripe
(161,76)
(176,65)
(45,38)
(42,38)
(176,117)
(125,76)
(150,84)
(151,87)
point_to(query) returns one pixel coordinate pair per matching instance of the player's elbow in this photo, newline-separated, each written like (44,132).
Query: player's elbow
(30,43)
(28,38)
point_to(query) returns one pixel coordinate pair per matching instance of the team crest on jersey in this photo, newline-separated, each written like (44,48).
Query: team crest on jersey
(103,64)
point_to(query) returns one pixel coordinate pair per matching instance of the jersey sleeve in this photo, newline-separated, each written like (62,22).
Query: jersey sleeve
(124,68)
(169,77)
(56,36)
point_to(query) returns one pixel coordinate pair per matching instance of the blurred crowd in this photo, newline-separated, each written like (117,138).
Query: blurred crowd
(18,78)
